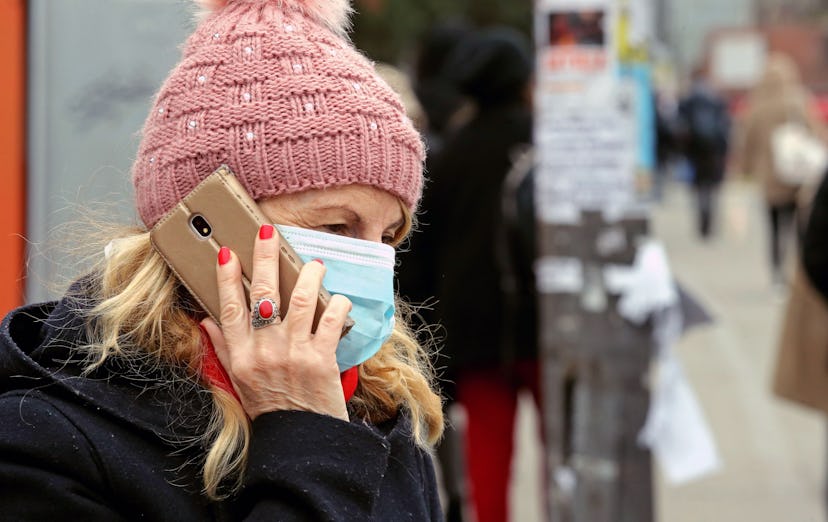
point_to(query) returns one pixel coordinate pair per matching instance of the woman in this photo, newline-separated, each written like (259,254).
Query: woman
(779,97)
(124,400)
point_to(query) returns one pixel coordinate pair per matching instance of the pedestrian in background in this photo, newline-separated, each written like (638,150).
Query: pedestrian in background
(800,374)
(779,98)
(704,128)
(493,68)
(445,109)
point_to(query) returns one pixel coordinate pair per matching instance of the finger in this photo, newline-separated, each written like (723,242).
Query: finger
(265,279)
(234,315)
(333,321)
(302,307)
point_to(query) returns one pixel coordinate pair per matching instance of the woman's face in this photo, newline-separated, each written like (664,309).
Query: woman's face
(356,211)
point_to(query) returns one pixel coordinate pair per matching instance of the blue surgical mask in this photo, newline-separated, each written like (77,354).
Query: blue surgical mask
(362,271)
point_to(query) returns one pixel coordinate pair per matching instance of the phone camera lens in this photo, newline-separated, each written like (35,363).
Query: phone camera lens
(201,226)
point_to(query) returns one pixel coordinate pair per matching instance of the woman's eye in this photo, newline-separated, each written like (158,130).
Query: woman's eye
(389,240)
(336,228)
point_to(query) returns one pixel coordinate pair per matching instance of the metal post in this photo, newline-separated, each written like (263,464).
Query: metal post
(595,401)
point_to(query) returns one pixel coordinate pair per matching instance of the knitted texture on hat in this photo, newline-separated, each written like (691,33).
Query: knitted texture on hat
(274,90)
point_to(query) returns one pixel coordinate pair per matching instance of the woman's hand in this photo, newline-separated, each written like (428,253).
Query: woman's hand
(282,366)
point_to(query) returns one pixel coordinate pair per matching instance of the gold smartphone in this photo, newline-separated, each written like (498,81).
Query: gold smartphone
(219,212)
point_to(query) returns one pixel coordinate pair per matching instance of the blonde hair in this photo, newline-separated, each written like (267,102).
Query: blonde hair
(142,311)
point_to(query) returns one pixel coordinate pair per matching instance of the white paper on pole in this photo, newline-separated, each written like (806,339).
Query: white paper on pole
(585,120)
(618,278)
(586,159)
(556,275)
(676,430)
(560,213)
(651,287)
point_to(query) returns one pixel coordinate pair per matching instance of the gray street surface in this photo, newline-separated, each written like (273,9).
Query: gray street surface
(772,452)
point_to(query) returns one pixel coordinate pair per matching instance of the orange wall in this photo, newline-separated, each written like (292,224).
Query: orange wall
(12,152)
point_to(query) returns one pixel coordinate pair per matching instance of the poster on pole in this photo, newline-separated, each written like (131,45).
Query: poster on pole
(576,54)
(587,125)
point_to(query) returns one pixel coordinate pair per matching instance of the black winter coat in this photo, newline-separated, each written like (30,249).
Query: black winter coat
(456,257)
(121,444)
(706,126)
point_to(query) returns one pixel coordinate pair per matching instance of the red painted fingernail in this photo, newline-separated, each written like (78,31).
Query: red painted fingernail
(266,232)
(319,261)
(223,255)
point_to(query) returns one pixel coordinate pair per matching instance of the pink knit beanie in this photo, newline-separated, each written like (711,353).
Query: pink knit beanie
(275,90)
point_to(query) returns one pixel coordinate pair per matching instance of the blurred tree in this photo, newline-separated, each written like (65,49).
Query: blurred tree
(387,30)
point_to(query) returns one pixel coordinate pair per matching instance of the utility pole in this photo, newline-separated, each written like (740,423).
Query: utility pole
(590,111)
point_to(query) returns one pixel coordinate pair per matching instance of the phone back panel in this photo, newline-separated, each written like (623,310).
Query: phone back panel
(234,219)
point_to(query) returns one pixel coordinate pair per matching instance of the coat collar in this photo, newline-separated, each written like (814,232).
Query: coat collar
(39,350)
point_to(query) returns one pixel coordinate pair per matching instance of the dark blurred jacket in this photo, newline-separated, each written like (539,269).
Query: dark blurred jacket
(464,213)
(706,127)
(466,200)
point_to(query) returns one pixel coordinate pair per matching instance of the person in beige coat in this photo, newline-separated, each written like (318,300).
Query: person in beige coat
(778,98)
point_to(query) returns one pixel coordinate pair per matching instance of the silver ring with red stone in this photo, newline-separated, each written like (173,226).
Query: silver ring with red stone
(264,313)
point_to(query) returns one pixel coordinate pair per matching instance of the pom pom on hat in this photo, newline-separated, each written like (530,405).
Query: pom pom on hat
(334,14)
(275,90)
